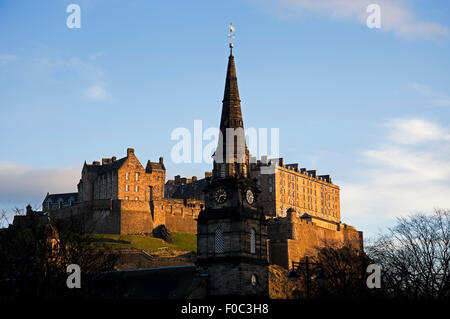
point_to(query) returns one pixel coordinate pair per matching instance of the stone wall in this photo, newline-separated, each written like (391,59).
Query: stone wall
(132,217)
(292,238)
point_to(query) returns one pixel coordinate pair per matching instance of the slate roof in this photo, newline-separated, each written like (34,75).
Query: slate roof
(154,166)
(64,196)
(191,189)
(106,167)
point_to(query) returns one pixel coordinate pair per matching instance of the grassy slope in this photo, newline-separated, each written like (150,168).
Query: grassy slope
(182,241)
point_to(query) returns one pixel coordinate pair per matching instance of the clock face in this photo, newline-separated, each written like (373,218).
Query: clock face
(220,195)
(249,196)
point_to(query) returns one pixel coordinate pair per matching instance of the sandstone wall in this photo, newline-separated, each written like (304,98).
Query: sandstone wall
(132,217)
(292,238)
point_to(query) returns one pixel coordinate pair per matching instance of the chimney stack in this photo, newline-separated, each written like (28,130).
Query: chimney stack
(130,151)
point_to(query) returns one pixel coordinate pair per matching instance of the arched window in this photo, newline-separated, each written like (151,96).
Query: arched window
(252,241)
(218,240)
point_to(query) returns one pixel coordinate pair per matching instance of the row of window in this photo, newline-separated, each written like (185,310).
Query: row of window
(127,188)
(128,198)
(136,176)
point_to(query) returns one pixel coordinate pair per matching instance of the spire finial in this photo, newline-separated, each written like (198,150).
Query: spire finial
(231,36)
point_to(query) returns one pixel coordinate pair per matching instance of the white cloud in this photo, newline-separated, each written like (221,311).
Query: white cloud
(416,131)
(97,92)
(6,59)
(396,16)
(435,98)
(408,172)
(23,184)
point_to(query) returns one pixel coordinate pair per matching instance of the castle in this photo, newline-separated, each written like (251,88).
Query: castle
(245,212)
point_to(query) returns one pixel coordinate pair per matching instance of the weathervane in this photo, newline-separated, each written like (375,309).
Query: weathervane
(231,36)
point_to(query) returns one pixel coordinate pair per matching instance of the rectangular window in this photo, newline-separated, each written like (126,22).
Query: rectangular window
(136,188)
(137,176)
(127,177)
(137,198)
(126,197)
(127,188)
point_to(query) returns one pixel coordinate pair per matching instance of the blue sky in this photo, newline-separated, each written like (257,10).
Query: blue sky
(371,107)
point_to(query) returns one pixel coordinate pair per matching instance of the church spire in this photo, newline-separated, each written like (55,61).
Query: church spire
(235,158)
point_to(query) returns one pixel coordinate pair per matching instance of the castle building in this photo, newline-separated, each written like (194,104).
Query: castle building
(287,186)
(247,213)
(123,179)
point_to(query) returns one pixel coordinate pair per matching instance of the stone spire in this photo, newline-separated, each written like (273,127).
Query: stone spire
(235,155)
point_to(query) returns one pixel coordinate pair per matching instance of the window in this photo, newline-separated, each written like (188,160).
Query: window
(127,177)
(137,176)
(252,242)
(136,188)
(127,188)
(137,198)
(218,240)
(126,197)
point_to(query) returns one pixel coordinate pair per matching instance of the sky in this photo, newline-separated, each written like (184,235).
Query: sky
(369,106)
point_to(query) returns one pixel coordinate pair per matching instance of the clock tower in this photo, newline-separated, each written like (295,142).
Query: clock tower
(231,230)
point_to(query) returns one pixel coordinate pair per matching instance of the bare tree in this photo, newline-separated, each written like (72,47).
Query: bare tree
(34,257)
(345,269)
(4,219)
(415,256)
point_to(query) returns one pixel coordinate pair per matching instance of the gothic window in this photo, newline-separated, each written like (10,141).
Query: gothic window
(252,241)
(137,198)
(218,240)
(126,197)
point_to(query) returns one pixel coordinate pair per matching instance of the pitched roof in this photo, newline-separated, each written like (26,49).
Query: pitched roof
(191,189)
(62,196)
(100,169)
(154,166)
